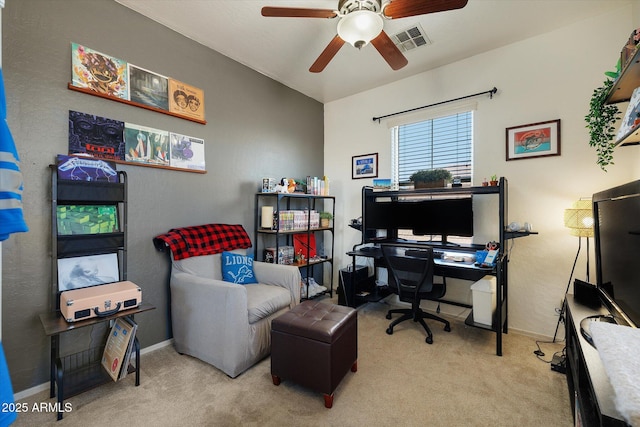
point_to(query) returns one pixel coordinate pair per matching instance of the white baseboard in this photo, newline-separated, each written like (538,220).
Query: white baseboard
(45,386)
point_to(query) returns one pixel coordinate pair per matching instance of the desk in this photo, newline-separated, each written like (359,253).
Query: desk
(443,267)
(446,268)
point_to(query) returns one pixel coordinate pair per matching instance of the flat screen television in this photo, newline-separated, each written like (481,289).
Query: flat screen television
(617,251)
(442,217)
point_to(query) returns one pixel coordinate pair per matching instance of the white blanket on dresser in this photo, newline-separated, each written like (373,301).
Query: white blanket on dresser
(619,349)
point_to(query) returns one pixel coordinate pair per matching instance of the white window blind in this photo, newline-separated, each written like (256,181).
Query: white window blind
(443,142)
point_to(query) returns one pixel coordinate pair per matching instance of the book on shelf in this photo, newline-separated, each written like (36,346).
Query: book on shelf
(117,351)
(289,220)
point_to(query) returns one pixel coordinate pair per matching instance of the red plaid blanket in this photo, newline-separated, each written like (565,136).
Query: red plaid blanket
(200,240)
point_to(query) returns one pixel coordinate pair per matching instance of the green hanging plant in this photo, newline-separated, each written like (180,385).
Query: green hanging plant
(601,124)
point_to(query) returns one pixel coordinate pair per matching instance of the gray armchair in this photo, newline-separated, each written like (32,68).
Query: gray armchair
(226,324)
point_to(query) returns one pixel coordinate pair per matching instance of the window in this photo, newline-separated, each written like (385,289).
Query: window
(443,142)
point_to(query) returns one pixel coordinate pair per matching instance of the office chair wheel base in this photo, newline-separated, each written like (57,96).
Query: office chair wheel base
(447,328)
(388,316)
(389,331)
(429,340)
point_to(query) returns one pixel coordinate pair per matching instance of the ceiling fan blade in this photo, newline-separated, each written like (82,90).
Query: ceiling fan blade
(404,8)
(389,51)
(327,54)
(293,12)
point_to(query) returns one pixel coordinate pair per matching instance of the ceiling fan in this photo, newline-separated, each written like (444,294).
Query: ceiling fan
(361,22)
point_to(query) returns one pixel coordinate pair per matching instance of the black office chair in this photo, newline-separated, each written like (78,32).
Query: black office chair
(411,278)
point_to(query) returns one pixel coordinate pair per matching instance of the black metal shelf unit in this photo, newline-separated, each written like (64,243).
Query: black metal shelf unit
(288,201)
(75,373)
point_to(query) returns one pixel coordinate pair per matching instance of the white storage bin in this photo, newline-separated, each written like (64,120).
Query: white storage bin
(484,300)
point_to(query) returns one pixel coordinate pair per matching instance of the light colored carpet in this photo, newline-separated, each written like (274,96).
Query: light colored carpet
(401,381)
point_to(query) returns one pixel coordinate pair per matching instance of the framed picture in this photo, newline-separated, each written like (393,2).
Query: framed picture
(186,100)
(83,271)
(364,166)
(94,136)
(148,88)
(87,219)
(631,116)
(533,140)
(98,72)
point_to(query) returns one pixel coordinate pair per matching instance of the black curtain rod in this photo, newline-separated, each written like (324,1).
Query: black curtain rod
(490,92)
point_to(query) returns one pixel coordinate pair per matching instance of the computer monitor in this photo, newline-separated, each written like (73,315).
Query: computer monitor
(441,217)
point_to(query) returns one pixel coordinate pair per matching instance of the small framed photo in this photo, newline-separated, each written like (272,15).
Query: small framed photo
(364,166)
(533,140)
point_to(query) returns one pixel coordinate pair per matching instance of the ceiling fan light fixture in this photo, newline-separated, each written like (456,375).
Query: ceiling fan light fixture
(358,28)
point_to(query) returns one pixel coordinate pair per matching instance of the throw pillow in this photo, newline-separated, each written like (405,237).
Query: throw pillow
(238,268)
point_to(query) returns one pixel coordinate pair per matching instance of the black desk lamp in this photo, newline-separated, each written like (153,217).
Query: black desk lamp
(579,220)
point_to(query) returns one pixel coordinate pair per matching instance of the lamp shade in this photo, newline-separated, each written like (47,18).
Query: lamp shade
(360,27)
(579,218)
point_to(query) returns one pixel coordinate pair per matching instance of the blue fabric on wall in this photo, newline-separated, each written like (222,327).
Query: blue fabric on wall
(11,183)
(8,413)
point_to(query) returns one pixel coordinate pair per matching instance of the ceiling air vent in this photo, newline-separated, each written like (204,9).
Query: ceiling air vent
(411,38)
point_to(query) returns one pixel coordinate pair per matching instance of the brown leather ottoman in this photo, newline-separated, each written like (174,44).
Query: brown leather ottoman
(315,344)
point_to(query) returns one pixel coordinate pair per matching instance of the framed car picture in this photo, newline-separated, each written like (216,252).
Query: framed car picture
(364,166)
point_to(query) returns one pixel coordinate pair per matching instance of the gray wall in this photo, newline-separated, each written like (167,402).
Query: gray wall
(255,127)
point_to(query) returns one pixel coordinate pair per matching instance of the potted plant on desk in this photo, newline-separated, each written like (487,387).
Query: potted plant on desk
(430,178)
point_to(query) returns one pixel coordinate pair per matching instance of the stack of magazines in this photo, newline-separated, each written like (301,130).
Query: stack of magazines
(117,351)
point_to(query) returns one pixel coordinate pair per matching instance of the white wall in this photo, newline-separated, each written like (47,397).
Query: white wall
(543,78)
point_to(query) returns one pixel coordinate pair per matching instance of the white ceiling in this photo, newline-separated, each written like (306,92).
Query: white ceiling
(285,48)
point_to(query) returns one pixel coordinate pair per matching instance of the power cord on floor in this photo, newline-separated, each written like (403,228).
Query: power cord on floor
(541,354)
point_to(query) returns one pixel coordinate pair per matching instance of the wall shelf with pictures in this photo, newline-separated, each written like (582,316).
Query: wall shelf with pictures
(149,165)
(108,77)
(134,104)
(624,88)
(629,131)
(632,138)
(627,81)
(114,141)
